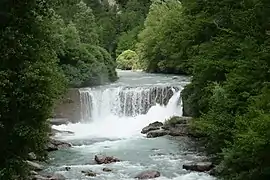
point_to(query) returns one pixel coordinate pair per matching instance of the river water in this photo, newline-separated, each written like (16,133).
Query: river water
(112,117)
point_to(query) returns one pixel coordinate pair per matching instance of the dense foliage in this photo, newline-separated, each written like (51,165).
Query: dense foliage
(82,59)
(30,81)
(128,60)
(45,46)
(225,45)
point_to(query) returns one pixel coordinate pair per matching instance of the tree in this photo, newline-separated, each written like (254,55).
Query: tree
(85,23)
(30,82)
(128,60)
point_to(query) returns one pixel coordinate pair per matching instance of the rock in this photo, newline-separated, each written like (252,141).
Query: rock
(153,126)
(106,160)
(39,177)
(156,133)
(54,145)
(200,167)
(179,130)
(57,177)
(106,170)
(33,173)
(148,175)
(32,156)
(67,168)
(34,166)
(58,121)
(55,131)
(49,177)
(89,173)
(188,109)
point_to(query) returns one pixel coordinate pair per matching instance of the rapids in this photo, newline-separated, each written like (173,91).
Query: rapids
(112,117)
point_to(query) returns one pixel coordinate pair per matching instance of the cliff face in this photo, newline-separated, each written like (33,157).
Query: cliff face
(68,107)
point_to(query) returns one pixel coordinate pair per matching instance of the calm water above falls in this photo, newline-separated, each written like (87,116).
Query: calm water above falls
(111,120)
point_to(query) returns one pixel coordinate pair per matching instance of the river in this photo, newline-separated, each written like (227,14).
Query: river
(112,117)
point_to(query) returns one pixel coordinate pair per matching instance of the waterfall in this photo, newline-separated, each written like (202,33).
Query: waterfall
(97,103)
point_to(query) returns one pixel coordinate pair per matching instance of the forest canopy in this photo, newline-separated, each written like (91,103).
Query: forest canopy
(48,46)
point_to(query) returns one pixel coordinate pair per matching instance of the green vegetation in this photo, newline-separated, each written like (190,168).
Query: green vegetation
(128,60)
(30,81)
(47,46)
(225,46)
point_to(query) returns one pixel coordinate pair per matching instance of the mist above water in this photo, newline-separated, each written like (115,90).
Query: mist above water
(112,117)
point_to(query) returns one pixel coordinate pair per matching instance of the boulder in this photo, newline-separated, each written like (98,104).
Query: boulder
(55,131)
(188,108)
(34,166)
(199,167)
(179,130)
(89,173)
(106,170)
(32,156)
(39,177)
(148,175)
(156,133)
(106,160)
(54,145)
(153,126)
(33,173)
(57,177)
(58,121)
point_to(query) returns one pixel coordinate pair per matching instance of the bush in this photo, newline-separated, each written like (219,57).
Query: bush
(128,60)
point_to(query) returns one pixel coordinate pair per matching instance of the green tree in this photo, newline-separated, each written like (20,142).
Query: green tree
(128,60)
(30,82)
(85,23)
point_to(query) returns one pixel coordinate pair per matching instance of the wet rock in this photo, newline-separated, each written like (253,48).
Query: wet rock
(178,126)
(54,145)
(55,131)
(106,160)
(33,173)
(148,175)
(153,126)
(58,121)
(89,173)
(106,170)
(34,166)
(39,177)
(200,167)
(49,177)
(32,156)
(57,177)
(179,130)
(156,133)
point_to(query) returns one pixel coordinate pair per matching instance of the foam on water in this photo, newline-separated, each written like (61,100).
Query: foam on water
(111,122)
(113,126)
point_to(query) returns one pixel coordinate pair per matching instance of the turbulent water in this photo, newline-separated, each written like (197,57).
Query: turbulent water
(112,117)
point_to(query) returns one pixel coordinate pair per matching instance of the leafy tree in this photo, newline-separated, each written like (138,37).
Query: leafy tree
(30,82)
(128,60)
(85,23)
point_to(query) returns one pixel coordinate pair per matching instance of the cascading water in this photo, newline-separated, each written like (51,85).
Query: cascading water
(112,117)
(98,103)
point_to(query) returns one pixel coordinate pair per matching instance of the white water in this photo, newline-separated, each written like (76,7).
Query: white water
(111,120)
(107,123)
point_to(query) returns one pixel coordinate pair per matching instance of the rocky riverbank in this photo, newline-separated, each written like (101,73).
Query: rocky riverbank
(36,165)
(177,126)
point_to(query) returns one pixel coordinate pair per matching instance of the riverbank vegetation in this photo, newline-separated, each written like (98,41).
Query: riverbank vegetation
(225,46)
